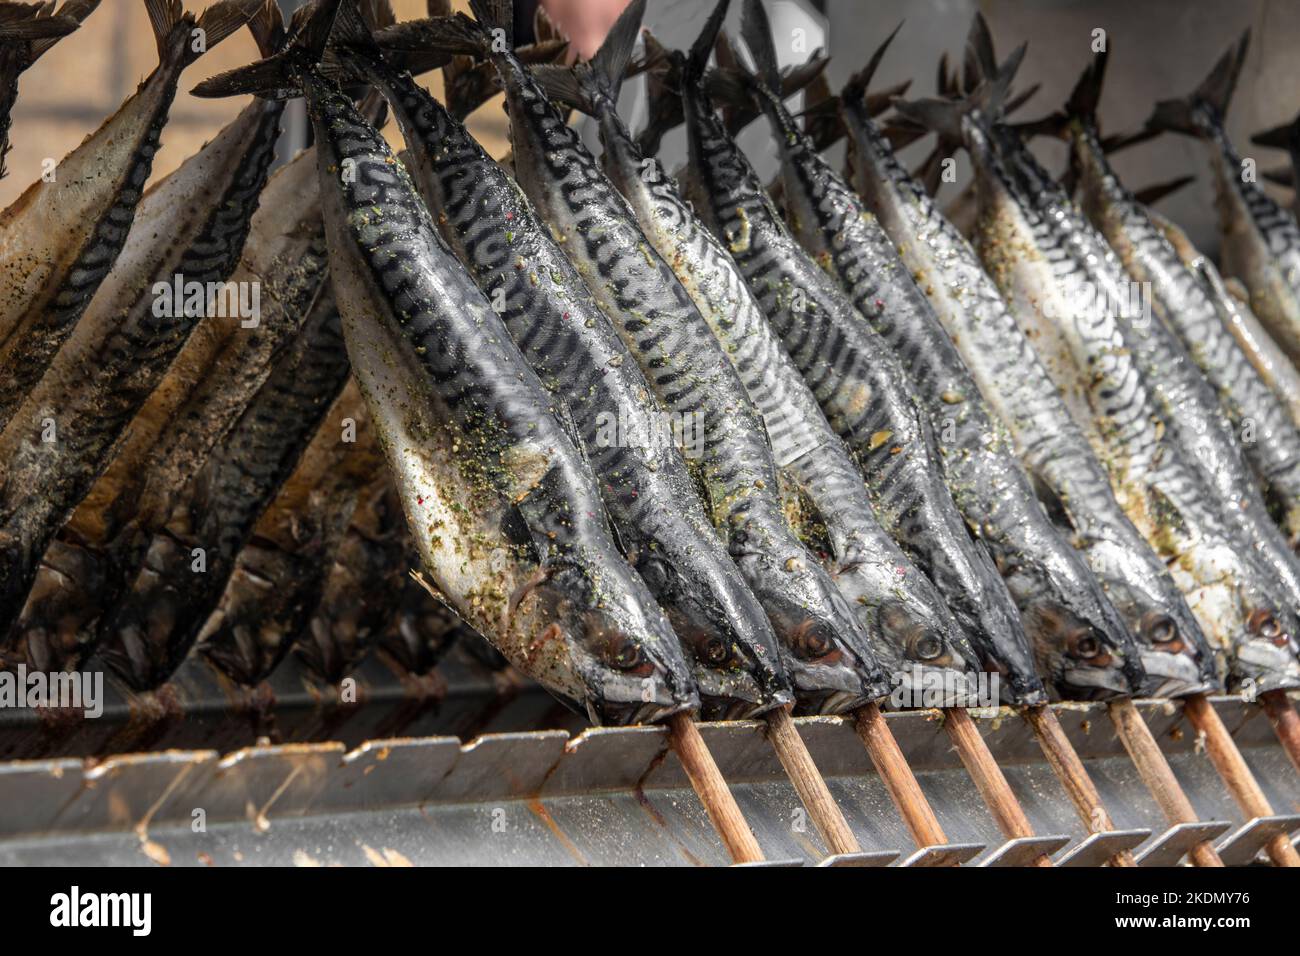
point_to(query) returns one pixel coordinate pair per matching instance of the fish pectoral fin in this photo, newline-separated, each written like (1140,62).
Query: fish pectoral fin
(1052,503)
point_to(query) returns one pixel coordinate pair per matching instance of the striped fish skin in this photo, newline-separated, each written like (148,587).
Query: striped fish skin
(1085,351)
(690,375)
(913,634)
(1208,365)
(60,238)
(1186,401)
(94,559)
(650,496)
(1017,388)
(1232,303)
(121,349)
(504,509)
(1079,641)
(153,629)
(277,579)
(363,586)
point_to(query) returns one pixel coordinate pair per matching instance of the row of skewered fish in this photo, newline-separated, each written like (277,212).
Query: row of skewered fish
(238,407)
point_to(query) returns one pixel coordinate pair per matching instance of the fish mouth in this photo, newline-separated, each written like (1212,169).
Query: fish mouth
(927,686)
(1096,682)
(1269,666)
(736,696)
(829,703)
(1173,675)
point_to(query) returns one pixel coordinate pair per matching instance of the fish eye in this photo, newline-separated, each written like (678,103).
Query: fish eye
(1086,646)
(812,645)
(716,651)
(927,647)
(622,653)
(1264,624)
(1162,630)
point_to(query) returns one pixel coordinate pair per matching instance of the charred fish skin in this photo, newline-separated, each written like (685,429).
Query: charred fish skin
(691,376)
(1070,623)
(1181,304)
(155,626)
(567,340)
(109,367)
(59,240)
(27,30)
(1048,290)
(504,509)
(279,578)
(912,632)
(1013,382)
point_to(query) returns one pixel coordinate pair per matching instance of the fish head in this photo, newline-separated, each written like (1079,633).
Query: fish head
(1174,656)
(619,646)
(1077,657)
(729,643)
(1265,652)
(924,654)
(824,649)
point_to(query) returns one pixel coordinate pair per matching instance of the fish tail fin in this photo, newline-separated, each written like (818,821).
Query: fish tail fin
(696,61)
(664,82)
(587,85)
(1286,136)
(979,61)
(1215,93)
(497,18)
(278,76)
(1086,95)
(756,30)
(1158,191)
(855,90)
(32,28)
(268,29)
(944,116)
(1283,176)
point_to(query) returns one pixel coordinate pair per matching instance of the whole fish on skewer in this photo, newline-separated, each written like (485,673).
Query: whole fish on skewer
(1017,388)
(1082,644)
(501,504)
(1047,289)
(60,238)
(1183,307)
(862,390)
(910,631)
(568,341)
(27,31)
(189,562)
(826,654)
(193,227)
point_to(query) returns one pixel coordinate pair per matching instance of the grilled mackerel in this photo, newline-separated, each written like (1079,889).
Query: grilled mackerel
(1080,641)
(747,303)
(825,649)
(1050,289)
(650,495)
(1066,474)
(60,238)
(502,506)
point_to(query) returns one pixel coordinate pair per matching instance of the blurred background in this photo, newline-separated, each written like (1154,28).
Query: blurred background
(1158,48)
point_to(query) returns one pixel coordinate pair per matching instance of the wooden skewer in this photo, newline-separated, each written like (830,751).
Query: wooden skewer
(897,776)
(808,783)
(1073,775)
(1158,775)
(989,779)
(1236,774)
(1285,720)
(712,790)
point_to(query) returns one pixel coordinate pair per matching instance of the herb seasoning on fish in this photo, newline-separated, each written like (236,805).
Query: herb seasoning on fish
(1067,475)
(577,354)
(501,504)
(826,653)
